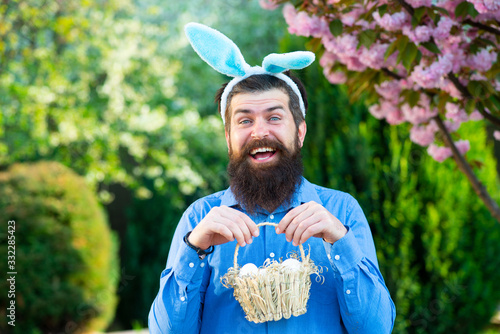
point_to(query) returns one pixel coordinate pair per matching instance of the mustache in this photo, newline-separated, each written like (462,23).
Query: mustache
(275,144)
(265,186)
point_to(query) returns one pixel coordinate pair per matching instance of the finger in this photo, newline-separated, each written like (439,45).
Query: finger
(240,223)
(244,223)
(252,227)
(236,232)
(305,219)
(223,231)
(289,217)
(291,231)
(312,230)
(230,212)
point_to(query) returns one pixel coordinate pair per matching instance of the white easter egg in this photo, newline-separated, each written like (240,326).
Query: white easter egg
(291,264)
(249,269)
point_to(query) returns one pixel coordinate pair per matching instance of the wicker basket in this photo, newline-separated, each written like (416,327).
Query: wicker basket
(276,291)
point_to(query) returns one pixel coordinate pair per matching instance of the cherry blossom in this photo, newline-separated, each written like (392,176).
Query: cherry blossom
(392,22)
(482,61)
(463,146)
(496,135)
(268,4)
(423,135)
(335,77)
(485,6)
(430,66)
(439,153)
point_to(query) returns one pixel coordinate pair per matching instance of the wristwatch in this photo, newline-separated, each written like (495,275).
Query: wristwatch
(201,253)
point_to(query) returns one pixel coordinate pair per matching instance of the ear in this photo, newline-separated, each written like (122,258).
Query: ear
(302,133)
(277,63)
(216,49)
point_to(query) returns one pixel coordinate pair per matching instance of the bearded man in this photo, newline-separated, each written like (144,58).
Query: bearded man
(265,129)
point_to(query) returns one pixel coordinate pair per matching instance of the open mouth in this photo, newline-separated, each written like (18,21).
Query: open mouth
(262,153)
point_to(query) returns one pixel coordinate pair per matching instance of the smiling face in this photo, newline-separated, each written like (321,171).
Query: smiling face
(265,165)
(261,126)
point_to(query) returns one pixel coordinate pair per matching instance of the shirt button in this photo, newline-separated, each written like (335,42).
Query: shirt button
(337,257)
(183,299)
(271,255)
(191,265)
(271,216)
(202,264)
(348,292)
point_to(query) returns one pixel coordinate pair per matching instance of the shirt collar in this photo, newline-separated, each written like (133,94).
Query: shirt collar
(305,193)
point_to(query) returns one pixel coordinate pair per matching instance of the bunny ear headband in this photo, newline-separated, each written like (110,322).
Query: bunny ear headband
(224,56)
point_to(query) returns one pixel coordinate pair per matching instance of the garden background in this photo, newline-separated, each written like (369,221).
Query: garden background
(108,131)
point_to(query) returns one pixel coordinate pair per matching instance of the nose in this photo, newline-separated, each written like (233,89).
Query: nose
(260,129)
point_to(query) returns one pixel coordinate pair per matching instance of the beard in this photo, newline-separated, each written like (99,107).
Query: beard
(267,185)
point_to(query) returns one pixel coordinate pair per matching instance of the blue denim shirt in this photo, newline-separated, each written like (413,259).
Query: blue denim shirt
(352,298)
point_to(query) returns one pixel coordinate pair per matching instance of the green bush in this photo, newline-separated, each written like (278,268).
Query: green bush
(152,222)
(437,244)
(150,228)
(66,261)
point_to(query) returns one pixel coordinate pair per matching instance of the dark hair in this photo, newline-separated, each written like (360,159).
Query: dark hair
(261,83)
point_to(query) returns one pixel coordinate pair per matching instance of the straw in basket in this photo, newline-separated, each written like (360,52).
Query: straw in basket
(276,290)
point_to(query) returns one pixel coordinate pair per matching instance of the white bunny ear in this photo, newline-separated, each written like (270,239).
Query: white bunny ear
(277,63)
(216,49)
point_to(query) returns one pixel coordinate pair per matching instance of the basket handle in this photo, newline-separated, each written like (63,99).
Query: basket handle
(235,264)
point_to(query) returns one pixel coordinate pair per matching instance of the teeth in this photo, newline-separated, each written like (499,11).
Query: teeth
(261,150)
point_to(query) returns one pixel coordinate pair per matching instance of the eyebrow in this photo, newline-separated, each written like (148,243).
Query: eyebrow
(247,111)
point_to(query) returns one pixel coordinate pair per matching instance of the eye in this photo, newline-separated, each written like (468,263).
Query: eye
(244,121)
(274,118)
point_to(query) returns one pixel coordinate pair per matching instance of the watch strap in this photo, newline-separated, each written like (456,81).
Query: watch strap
(201,253)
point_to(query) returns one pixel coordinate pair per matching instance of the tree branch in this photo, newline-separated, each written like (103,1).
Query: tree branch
(482,26)
(488,116)
(478,187)
(407,7)
(391,74)
(463,90)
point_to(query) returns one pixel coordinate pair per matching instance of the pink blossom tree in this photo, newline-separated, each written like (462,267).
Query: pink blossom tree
(430,63)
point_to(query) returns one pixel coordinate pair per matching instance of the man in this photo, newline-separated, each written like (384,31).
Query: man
(265,130)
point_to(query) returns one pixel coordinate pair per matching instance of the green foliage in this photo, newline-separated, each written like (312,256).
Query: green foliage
(106,87)
(112,89)
(86,83)
(336,27)
(66,259)
(151,221)
(466,8)
(436,243)
(242,20)
(444,282)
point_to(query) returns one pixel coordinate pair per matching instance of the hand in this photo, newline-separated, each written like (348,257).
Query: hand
(223,224)
(310,220)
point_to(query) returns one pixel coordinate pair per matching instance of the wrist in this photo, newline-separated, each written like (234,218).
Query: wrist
(201,252)
(194,241)
(334,237)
